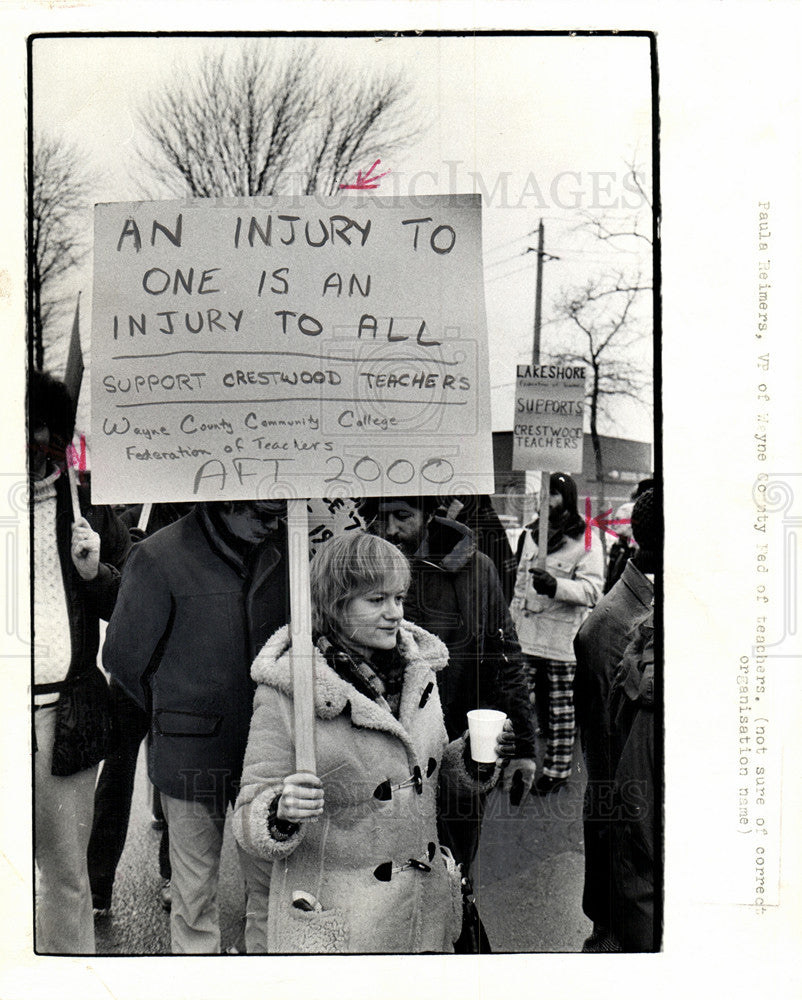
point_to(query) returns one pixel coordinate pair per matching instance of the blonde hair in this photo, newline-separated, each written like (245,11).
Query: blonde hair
(351,564)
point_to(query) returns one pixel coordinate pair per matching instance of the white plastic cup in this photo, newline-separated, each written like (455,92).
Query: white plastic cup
(484,726)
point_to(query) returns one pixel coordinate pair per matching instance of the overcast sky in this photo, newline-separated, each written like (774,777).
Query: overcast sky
(542,126)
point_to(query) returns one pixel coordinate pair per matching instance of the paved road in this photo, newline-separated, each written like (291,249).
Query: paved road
(528,879)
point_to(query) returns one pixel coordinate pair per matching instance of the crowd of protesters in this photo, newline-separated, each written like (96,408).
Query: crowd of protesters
(420,615)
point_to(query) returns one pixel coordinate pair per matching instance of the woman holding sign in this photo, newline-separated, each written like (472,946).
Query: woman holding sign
(358,866)
(552,598)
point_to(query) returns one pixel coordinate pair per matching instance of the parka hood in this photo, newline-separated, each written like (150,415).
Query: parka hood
(450,544)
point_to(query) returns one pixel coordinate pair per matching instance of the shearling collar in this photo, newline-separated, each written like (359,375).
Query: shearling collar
(422,652)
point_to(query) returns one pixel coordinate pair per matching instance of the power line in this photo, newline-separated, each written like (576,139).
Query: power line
(584,256)
(502,246)
(610,257)
(546,218)
(505,260)
(508,274)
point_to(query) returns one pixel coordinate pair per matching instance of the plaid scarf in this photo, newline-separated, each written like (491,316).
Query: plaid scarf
(381,678)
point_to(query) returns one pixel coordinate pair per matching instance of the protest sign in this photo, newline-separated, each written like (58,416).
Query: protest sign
(289,347)
(549,408)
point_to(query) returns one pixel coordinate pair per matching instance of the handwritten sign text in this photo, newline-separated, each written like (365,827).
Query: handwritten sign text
(288,347)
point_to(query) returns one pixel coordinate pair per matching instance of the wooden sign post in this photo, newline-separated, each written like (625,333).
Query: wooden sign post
(302,651)
(543,520)
(144,516)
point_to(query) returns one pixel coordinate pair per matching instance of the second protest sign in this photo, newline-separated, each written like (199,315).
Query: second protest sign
(549,410)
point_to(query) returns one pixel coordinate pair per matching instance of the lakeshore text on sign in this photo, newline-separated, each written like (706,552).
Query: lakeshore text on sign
(305,347)
(549,410)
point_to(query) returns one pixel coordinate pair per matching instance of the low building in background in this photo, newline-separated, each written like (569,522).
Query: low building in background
(626,463)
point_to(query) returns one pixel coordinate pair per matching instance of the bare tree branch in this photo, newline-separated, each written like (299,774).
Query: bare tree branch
(603,315)
(637,179)
(621,229)
(62,182)
(255,123)
(603,229)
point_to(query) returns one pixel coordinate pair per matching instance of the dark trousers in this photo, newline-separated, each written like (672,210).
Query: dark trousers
(459,823)
(113,796)
(597,816)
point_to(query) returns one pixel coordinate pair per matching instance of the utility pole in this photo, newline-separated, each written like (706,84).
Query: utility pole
(541,257)
(543,531)
(538,296)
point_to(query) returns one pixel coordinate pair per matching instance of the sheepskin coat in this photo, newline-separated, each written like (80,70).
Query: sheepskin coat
(360,746)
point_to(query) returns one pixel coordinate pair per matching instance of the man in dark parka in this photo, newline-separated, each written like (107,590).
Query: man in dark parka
(197,602)
(456,594)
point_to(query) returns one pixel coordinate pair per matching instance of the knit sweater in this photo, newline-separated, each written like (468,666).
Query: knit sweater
(52,651)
